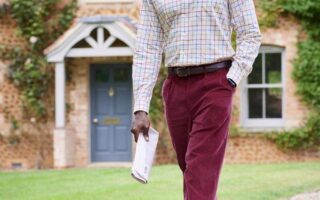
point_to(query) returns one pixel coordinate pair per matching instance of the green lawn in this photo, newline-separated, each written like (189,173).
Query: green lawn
(238,182)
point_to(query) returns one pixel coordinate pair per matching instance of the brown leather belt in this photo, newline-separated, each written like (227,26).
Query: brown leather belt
(198,69)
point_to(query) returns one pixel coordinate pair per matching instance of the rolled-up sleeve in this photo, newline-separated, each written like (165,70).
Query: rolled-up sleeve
(244,22)
(147,56)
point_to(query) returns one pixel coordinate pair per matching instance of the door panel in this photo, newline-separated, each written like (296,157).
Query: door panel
(102,135)
(121,107)
(111,103)
(120,138)
(101,98)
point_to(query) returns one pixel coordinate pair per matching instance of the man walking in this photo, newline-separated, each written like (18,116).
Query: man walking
(203,73)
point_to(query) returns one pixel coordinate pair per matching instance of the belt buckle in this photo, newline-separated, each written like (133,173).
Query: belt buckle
(181,72)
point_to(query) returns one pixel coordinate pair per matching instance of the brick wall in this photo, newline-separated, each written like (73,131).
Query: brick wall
(258,149)
(31,144)
(26,149)
(244,148)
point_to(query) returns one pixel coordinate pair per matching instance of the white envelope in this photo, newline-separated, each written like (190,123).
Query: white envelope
(144,156)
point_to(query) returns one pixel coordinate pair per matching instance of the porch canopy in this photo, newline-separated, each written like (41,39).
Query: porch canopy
(95,36)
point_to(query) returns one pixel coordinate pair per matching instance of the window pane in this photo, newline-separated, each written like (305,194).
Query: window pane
(273,101)
(121,74)
(256,75)
(273,67)
(102,75)
(255,103)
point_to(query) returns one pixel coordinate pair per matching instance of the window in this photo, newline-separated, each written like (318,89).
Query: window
(263,90)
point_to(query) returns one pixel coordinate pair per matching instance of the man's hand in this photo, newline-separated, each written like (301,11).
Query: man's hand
(141,123)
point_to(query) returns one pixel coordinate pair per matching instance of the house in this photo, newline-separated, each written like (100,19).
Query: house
(93,107)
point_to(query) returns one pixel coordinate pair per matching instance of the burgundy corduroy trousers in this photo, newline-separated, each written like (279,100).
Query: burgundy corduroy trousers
(198,110)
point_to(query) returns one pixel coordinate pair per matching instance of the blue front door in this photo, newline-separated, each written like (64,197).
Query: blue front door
(111,105)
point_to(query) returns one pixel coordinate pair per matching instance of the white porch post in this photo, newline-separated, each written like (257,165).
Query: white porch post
(60,85)
(63,140)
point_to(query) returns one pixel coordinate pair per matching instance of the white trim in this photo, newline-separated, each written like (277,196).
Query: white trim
(92,42)
(264,123)
(100,36)
(59,53)
(60,105)
(109,41)
(82,31)
(121,32)
(99,52)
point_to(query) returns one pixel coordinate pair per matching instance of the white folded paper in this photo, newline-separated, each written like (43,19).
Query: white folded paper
(144,155)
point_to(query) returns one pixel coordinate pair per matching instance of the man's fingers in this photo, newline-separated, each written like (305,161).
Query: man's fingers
(133,128)
(146,134)
(140,124)
(136,135)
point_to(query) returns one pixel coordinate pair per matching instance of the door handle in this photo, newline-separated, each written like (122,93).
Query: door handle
(111,92)
(95,120)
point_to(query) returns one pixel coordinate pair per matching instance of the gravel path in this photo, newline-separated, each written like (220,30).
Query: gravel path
(307,196)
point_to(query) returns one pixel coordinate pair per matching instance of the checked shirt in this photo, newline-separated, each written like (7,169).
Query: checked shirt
(189,33)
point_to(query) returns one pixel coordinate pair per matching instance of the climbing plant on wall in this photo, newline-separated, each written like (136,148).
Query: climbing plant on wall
(306,71)
(39,22)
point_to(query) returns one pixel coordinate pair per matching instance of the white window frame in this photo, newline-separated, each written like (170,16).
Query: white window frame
(257,124)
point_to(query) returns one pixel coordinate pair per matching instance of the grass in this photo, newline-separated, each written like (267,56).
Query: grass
(238,182)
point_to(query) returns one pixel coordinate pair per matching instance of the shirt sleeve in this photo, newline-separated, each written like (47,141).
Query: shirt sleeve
(244,22)
(147,56)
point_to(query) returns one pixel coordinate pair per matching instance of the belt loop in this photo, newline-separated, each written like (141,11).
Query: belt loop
(205,71)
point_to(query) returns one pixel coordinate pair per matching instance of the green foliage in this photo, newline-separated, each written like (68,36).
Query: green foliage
(306,70)
(31,17)
(41,20)
(40,23)
(308,13)
(307,73)
(272,10)
(156,104)
(303,138)
(31,75)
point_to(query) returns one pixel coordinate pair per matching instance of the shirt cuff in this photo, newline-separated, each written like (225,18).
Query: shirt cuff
(233,84)
(236,73)
(141,105)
